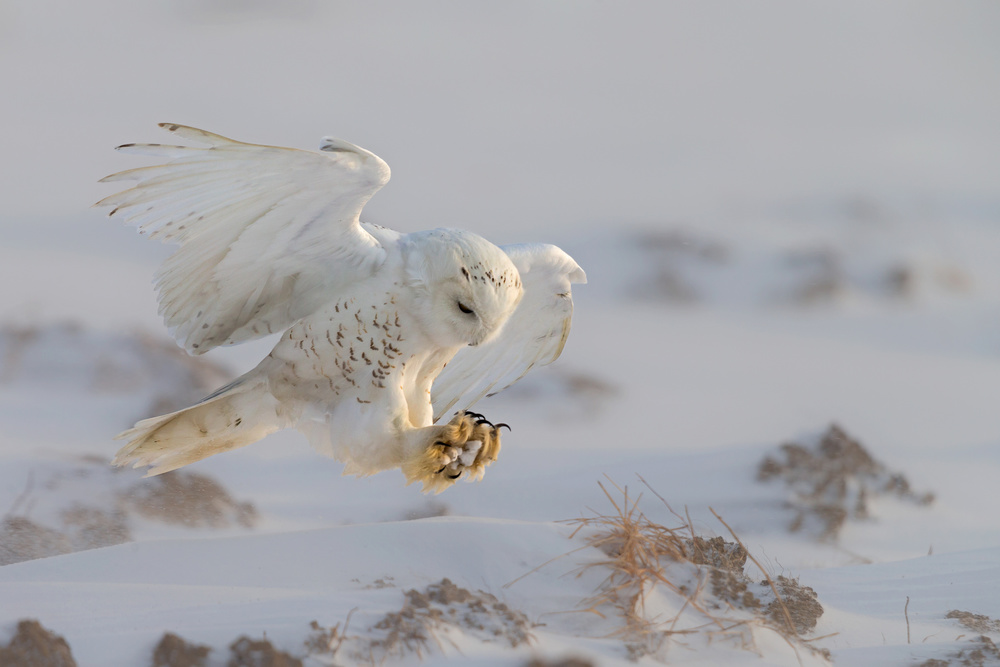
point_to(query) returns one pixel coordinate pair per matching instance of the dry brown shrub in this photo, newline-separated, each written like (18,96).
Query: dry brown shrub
(86,507)
(412,628)
(975,622)
(246,652)
(92,527)
(172,651)
(833,481)
(670,255)
(188,499)
(983,652)
(22,539)
(422,624)
(327,641)
(705,579)
(571,661)
(34,646)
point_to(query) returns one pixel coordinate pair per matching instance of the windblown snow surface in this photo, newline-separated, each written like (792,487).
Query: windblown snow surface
(789,217)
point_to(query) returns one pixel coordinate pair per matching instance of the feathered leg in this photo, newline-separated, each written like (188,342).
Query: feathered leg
(462,447)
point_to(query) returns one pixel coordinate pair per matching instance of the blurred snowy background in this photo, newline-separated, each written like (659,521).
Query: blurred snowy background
(789,211)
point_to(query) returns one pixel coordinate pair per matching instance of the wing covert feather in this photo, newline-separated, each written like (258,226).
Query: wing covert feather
(265,232)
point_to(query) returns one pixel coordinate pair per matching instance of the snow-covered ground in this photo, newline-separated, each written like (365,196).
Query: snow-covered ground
(789,216)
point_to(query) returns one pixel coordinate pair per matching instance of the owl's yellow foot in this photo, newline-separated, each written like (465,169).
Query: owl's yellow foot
(462,447)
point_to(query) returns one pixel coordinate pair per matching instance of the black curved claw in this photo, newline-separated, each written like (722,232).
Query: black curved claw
(455,476)
(497,427)
(483,420)
(474,415)
(441,470)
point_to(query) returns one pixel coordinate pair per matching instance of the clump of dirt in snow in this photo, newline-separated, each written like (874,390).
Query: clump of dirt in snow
(89,505)
(423,622)
(22,539)
(725,561)
(983,652)
(93,527)
(833,481)
(798,601)
(246,652)
(172,651)
(188,499)
(669,258)
(571,661)
(34,646)
(975,622)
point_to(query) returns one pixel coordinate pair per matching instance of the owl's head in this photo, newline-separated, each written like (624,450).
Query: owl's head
(464,288)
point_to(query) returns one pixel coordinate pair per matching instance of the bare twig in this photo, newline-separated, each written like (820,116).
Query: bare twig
(906,615)
(28,487)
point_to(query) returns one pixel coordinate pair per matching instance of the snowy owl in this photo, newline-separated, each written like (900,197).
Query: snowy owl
(384,333)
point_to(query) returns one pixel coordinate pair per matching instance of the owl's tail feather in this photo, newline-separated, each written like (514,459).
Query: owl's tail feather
(236,415)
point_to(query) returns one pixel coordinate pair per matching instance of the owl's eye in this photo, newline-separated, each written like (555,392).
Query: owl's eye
(465,309)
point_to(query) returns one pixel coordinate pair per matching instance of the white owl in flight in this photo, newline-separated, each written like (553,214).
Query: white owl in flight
(384,333)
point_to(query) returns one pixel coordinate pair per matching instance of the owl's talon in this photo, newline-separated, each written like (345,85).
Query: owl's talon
(463,448)
(501,425)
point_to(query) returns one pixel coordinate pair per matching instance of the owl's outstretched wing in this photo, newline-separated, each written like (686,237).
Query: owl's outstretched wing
(533,336)
(265,232)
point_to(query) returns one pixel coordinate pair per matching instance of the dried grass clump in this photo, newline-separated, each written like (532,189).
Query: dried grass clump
(975,622)
(983,652)
(34,646)
(246,652)
(669,584)
(833,481)
(571,661)
(172,651)
(423,623)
